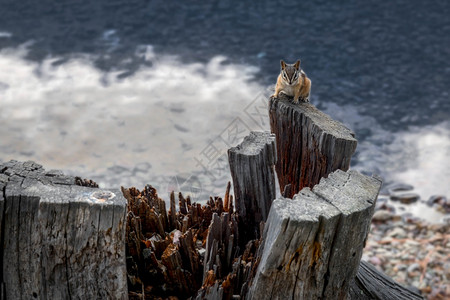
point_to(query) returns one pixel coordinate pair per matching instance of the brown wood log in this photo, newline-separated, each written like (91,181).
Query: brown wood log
(310,144)
(252,169)
(313,243)
(60,240)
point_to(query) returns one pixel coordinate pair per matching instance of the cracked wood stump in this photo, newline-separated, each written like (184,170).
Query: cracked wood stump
(310,145)
(312,244)
(252,170)
(59,240)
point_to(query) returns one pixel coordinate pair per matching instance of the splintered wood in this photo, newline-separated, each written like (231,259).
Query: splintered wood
(191,251)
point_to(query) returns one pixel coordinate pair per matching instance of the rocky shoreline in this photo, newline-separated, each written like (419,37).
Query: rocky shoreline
(413,251)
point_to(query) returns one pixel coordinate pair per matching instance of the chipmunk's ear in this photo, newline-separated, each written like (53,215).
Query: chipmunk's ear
(283,64)
(297,64)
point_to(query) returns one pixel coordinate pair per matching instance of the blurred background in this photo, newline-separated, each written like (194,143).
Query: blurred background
(154,92)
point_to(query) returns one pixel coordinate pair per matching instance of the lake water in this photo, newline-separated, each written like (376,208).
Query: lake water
(135,92)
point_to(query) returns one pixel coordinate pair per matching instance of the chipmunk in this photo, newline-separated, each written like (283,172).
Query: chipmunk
(292,81)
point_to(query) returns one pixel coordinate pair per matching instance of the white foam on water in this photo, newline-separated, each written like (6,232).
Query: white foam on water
(419,156)
(426,156)
(72,116)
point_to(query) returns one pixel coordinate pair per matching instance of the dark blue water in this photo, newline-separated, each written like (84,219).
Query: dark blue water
(389,61)
(390,58)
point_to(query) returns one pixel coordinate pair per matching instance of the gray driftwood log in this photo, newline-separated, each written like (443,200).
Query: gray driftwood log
(372,284)
(310,144)
(252,170)
(312,244)
(60,240)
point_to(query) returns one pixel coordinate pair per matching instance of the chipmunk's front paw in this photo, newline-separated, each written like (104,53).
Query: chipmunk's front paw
(302,99)
(295,101)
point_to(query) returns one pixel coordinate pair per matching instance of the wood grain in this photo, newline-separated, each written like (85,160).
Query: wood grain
(310,145)
(60,240)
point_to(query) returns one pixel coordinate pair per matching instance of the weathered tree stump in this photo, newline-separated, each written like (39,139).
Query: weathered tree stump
(60,240)
(252,170)
(371,284)
(310,144)
(312,244)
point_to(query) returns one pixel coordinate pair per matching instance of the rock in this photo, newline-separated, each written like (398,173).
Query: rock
(401,267)
(414,274)
(413,267)
(412,243)
(446,220)
(387,207)
(440,227)
(405,198)
(398,233)
(382,216)
(443,204)
(401,276)
(445,209)
(397,187)
(374,260)
(435,198)
(382,199)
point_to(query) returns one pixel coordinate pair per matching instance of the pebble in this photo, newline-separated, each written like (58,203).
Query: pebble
(382,215)
(413,267)
(386,206)
(401,277)
(399,246)
(382,199)
(401,267)
(376,261)
(438,227)
(398,233)
(412,243)
(396,187)
(405,198)
(433,199)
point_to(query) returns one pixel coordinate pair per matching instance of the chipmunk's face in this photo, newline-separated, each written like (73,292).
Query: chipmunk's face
(290,73)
